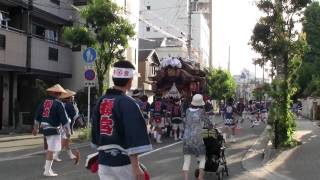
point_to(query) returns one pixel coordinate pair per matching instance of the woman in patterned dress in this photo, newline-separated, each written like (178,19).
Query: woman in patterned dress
(193,145)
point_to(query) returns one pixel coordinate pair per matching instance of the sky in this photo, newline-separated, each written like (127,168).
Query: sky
(233,22)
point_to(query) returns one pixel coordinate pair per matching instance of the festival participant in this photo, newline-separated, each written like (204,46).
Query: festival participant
(145,108)
(209,110)
(119,130)
(229,117)
(158,110)
(177,122)
(136,95)
(168,117)
(73,115)
(50,116)
(240,108)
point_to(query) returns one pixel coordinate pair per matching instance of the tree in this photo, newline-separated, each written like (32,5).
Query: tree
(220,84)
(309,72)
(276,39)
(106,30)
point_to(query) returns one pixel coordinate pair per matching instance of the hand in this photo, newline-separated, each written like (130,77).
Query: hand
(35,131)
(138,173)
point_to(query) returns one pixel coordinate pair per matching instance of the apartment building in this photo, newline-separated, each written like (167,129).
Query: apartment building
(32,51)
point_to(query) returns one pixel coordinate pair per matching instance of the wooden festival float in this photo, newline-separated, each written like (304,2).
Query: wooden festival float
(178,77)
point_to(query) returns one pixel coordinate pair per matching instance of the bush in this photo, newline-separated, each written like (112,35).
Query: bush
(85,134)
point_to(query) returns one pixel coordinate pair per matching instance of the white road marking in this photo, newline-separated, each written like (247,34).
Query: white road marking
(159,149)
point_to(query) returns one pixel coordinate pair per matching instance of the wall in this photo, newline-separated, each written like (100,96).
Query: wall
(16,48)
(64,11)
(307,104)
(78,67)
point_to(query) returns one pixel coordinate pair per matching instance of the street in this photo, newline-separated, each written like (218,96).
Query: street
(164,162)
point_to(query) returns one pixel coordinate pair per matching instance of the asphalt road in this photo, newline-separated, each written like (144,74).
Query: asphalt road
(164,163)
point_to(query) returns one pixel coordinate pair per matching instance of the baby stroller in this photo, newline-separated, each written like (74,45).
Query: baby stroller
(215,157)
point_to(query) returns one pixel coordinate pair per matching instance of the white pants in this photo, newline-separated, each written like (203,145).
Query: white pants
(187,162)
(176,126)
(54,143)
(116,173)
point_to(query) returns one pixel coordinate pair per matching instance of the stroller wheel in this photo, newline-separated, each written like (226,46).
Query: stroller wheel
(196,173)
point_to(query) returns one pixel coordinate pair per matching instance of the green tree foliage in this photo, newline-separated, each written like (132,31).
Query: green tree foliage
(220,84)
(309,72)
(106,30)
(276,39)
(260,92)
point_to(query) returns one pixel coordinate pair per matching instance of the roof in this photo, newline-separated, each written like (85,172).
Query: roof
(153,43)
(150,43)
(145,54)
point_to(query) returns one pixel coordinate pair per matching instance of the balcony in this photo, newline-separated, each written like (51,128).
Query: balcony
(51,57)
(13,47)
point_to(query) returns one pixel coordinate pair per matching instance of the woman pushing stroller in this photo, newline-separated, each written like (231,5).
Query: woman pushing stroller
(193,145)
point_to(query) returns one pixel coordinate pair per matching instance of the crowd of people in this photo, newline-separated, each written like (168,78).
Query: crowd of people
(122,126)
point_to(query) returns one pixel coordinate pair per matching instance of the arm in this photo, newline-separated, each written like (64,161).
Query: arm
(64,119)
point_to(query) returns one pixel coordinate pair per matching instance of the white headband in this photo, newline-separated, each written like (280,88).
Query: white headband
(125,73)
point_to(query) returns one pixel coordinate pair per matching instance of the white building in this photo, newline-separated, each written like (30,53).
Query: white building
(171,17)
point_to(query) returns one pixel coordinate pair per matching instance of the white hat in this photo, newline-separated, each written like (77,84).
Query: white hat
(197,100)
(68,94)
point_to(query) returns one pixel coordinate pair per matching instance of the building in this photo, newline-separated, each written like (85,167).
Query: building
(33,53)
(149,63)
(31,49)
(170,20)
(247,83)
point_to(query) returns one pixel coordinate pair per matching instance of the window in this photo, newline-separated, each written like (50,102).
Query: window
(45,33)
(57,2)
(53,54)
(148,28)
(2,41)
(148,7)
(38,30)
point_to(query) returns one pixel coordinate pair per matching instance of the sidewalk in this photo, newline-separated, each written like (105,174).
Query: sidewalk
(301,162)
(23,145)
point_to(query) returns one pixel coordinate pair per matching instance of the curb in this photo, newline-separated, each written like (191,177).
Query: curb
(256,157)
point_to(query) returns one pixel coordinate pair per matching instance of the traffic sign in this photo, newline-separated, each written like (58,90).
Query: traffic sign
(89,74)
(89,55)
(89,83)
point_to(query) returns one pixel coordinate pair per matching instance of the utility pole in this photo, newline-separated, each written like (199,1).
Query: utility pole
(189,28)
(29,34)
